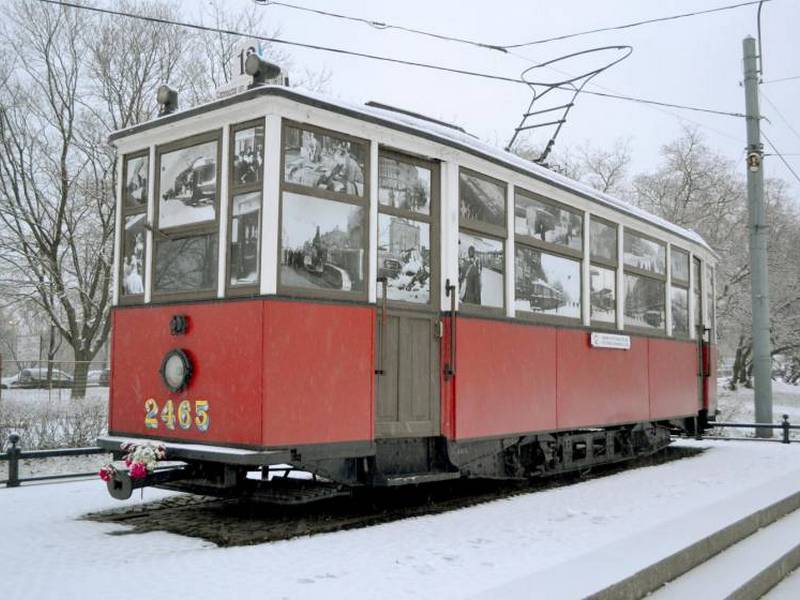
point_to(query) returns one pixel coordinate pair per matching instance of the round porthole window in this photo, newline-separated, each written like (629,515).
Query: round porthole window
(176,370)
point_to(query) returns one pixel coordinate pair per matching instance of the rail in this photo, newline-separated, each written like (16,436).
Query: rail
(784,425)
(15,454)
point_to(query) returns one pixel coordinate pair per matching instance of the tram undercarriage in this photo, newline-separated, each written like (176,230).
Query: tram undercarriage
(393,462)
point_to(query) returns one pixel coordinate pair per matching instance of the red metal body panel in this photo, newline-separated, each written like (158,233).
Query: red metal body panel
(318,373)
(515,377)
(600,385)
(224,342)
(505,380)
(273,372)
(673,378)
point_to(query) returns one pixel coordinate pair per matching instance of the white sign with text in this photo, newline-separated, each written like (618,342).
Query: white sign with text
(610,340)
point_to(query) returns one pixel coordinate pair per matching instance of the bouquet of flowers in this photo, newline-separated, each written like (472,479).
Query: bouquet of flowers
(141,459)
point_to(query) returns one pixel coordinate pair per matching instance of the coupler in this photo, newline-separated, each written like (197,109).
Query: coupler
(121,485)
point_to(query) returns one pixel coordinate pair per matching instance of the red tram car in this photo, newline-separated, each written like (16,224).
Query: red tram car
(438,369)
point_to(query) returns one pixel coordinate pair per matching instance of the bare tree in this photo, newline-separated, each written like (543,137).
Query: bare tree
(76,79)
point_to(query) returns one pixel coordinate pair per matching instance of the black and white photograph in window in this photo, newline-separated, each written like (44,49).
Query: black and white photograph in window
(404,258)
(322,161)
(245,225)
(482,200)
(547,284)
(644,254)
(680,311)
(602,283)
(133,255)
(547,223)
(136,182)
(188,186)
(322,244)
(248,155)
(186,264)
(480,270)
(603,240)
(404,185)
(644,302)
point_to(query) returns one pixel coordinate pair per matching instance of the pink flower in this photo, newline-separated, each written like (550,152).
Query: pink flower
(138,470)
(106,472)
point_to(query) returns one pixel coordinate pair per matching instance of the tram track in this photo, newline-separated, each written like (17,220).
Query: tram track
(244,521)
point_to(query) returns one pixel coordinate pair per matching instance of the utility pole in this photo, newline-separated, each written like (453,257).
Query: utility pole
(762,358)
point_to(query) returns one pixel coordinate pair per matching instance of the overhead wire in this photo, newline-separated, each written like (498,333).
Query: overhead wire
(380,24)
(780,114)
(364,55)
(791,78)
(504,47)
(567,36)
(779,155)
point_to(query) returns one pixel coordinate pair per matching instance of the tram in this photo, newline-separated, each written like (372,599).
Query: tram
(300,344)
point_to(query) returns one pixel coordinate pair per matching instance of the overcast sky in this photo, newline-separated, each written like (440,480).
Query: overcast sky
(695,61)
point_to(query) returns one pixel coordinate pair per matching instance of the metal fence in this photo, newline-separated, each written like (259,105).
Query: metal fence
(785,426)
(14,455)
(47,380)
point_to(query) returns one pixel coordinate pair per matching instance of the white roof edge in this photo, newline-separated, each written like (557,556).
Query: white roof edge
(448,136)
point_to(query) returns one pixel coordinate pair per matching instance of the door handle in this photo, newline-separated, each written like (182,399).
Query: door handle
(382,326)
(450,367)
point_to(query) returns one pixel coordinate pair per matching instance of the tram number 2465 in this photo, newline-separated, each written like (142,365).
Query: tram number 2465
(184,415)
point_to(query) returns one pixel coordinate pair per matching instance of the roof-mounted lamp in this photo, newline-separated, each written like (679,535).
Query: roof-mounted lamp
(167,99)
(260,70)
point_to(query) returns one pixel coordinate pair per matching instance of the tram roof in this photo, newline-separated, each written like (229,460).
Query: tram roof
(429,129)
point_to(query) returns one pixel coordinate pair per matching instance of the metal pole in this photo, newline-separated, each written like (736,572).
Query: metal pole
(13,461)
(762,359)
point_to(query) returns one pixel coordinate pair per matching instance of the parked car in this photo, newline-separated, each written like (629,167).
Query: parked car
(98,377)
(36,377)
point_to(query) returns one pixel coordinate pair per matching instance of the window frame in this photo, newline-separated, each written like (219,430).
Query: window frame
(488,231)
(362,201)
(432,219)
(249,289)
(604,263)
(683,284)
(698,288)
(629,270)
(122,297)
(177,233)
(553,249)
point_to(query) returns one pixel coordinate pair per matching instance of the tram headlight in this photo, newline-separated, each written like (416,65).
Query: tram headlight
(176,370)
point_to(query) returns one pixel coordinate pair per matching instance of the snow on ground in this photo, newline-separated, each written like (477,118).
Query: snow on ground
(738,406)
(46,552)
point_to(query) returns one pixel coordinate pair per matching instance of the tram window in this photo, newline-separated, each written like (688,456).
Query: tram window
(482,201)
(547,284)
(644,254)
(244,248)
(244,218)
(680,264)
(547,222)
(134,194)
(603,241)
(322,244)
(679,298)
(481,266)
(644,302)
(404,258)
(188,186)
(187,264)
(698,310)
(710,300)
(134,218)
(133,254)
(248,156)
(323,161)
(602,286)
(404,185)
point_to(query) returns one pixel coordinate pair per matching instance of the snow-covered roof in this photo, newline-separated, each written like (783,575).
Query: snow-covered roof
(441,133)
